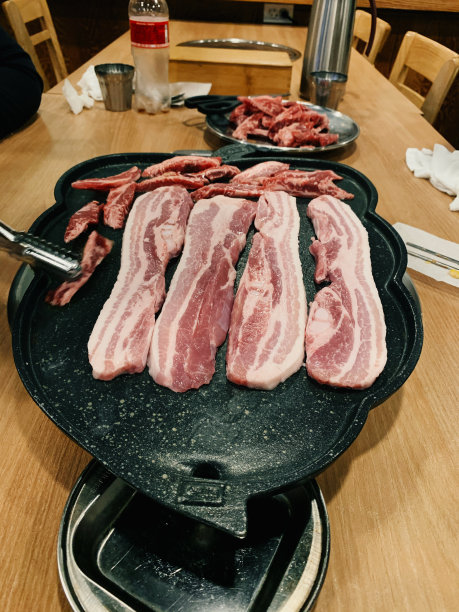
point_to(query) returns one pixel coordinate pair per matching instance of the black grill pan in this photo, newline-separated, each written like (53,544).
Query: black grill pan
(205,452)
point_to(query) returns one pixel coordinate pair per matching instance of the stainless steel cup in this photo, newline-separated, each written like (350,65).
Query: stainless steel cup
(116,85)
(326,88)
(327,51)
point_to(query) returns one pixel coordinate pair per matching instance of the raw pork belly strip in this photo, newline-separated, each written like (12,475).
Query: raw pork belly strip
(268,320)
(345,333)
(195,317)
(108,182)
(81,219)
(182,163)
(154,233)
(96,249)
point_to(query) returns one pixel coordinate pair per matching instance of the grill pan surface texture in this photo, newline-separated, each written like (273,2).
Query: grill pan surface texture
(205,452)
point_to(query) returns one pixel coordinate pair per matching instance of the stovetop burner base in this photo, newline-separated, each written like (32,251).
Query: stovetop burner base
(120,550)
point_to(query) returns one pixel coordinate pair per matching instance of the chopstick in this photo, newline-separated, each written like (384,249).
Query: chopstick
(430,260)
(421,248)
(454,272)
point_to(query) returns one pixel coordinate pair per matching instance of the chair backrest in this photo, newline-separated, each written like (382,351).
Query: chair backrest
(430,59)
(362,28)
(21,12)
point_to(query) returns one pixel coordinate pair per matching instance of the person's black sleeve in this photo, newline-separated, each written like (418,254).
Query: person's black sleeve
(20,85)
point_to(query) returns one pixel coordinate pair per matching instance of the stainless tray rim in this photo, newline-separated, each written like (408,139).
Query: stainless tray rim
(241,43)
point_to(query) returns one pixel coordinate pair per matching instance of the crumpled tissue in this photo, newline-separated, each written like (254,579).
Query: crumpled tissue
(90,91)
(90,85)
(440,166)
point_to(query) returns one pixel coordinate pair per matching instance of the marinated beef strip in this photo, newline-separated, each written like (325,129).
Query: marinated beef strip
(154,233)
(195,317)
(96,249)
(216,174)
(304,184)
(80,220)
(258,172)
(303,135)
(118,204)
(345,333)
(188,181)
(182,164)
(227,189)
(268,320)
(108,182)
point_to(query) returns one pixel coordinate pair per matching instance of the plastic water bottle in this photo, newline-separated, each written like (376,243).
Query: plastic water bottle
(149,26)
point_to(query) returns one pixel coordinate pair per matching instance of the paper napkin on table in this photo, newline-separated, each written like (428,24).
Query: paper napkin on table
(89,84)
(90,91)
(190,89)
(434,243)
(73,98)
(440,166)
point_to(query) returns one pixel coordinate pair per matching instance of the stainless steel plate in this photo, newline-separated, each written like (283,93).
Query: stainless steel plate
(340,124)
(240,43)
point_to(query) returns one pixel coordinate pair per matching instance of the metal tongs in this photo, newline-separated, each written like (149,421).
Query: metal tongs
(39,252)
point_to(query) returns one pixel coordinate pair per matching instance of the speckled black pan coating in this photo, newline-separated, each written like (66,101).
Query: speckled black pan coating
(206,451)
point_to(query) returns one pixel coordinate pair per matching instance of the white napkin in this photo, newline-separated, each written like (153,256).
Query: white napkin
(89,84)
(190,89)
(72,97)
(434,243)
(440,166)
(90,91)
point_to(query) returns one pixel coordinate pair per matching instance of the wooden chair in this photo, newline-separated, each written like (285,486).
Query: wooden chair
(21,12)
(362,27)
(434,61)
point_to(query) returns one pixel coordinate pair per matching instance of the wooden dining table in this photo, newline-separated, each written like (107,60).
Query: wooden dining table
(392,496)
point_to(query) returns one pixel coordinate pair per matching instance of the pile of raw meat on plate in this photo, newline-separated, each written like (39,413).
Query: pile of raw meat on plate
(285,123)
(203,209)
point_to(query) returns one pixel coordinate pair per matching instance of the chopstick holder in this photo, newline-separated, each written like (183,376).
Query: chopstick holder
(433,243)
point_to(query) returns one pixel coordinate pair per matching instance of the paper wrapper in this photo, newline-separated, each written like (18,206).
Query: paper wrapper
(434,243)
(190,89)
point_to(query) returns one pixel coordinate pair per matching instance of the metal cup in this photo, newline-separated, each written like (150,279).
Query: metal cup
(326,88)
(327,51)
(116,85)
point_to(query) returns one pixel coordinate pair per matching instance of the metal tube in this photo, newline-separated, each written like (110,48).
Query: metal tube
(328,45)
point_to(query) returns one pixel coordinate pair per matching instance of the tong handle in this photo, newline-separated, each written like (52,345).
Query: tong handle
(37,251)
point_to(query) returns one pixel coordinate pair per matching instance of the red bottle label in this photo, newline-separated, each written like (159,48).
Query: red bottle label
(149,33)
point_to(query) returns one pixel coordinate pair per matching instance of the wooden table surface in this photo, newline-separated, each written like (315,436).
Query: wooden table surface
(392,496)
